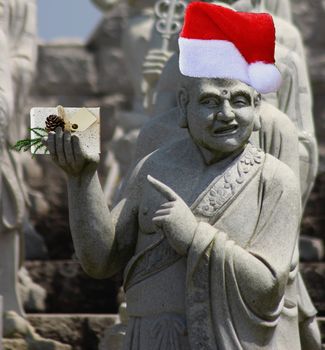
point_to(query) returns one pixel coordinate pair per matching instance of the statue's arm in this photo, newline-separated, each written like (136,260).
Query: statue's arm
(262,268)
(259,270)
(103,240)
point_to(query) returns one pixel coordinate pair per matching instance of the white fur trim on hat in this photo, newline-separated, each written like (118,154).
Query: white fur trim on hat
(265,78)
(211,59)
(221,59)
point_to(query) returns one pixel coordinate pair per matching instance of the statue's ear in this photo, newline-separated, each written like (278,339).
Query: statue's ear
(182,99)
(257,118)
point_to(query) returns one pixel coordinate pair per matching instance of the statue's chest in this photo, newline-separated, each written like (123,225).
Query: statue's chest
(187,184)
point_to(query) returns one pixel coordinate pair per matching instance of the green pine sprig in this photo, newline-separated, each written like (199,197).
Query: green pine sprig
(26,144)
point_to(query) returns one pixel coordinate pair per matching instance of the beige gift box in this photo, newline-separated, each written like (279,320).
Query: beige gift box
(84,122)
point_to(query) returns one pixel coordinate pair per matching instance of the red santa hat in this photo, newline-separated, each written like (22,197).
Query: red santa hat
(218,42)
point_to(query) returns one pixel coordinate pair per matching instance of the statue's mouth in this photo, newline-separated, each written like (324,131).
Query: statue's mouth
(226,130)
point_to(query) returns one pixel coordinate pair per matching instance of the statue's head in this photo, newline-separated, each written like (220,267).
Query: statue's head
(220,114)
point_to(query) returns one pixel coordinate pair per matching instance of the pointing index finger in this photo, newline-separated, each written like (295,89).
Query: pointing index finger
(166,191)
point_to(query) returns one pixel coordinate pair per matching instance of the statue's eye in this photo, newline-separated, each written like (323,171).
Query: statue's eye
(210,102)
(240,101)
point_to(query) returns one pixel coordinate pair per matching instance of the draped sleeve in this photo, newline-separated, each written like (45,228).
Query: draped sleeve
(235,294)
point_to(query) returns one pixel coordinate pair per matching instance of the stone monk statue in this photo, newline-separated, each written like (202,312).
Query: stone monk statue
(210,265)
(206,230)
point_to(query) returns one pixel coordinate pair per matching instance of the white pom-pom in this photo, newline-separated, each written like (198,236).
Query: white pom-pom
(265,78)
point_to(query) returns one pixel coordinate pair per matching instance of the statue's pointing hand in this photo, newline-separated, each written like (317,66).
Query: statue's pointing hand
(174,217)
(67,153)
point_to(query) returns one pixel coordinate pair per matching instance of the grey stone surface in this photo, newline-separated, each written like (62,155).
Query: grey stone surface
(153,222)
(314,276)
(113,338)
(1,322)
(309,18)
(66,68)
(81,331)
(18,328)
(34,244)
(20,344)
(109,61)
(311,249)
(32,295)
(70,290)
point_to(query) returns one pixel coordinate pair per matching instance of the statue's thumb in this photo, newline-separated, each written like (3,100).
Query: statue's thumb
(166,191)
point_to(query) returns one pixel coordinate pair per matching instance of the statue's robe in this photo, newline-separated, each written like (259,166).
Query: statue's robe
(18,58)
(236,288)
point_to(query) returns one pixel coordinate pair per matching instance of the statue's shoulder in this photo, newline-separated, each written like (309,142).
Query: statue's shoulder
(290,29)
(169,156)
(159,131)
(276,173)
(278,119)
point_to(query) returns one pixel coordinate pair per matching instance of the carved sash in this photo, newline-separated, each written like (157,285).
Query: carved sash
(221,192)
(208,207)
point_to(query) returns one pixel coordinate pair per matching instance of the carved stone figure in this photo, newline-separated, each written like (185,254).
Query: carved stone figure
(277,136)
(19,45)
(292,99)
(215,279)
(12,199)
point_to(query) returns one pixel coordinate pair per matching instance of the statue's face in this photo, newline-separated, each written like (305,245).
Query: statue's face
(220,113)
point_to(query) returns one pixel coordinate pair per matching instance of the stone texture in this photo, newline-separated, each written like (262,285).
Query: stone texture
(70,290)
(32,295)
(109,61)
(113,338)
(314,277)
(309,18)
(65,68)
(1,321)
(311,249)
(109,30)
(313,223)
(321,322)
(82,332)
(20,344)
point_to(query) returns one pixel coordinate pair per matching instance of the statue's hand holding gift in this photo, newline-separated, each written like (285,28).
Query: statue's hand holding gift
(175,218)
(70,135)
(73,137)
(68,154)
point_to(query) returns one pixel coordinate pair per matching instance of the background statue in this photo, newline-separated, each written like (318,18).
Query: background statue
(17,64)
(12,198)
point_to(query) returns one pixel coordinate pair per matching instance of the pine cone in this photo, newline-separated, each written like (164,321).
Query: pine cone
(53,121)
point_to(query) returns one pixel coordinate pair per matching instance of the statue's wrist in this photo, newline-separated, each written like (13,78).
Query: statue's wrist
(82,177)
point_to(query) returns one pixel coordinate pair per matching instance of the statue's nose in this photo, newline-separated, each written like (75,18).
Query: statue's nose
(225,113)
